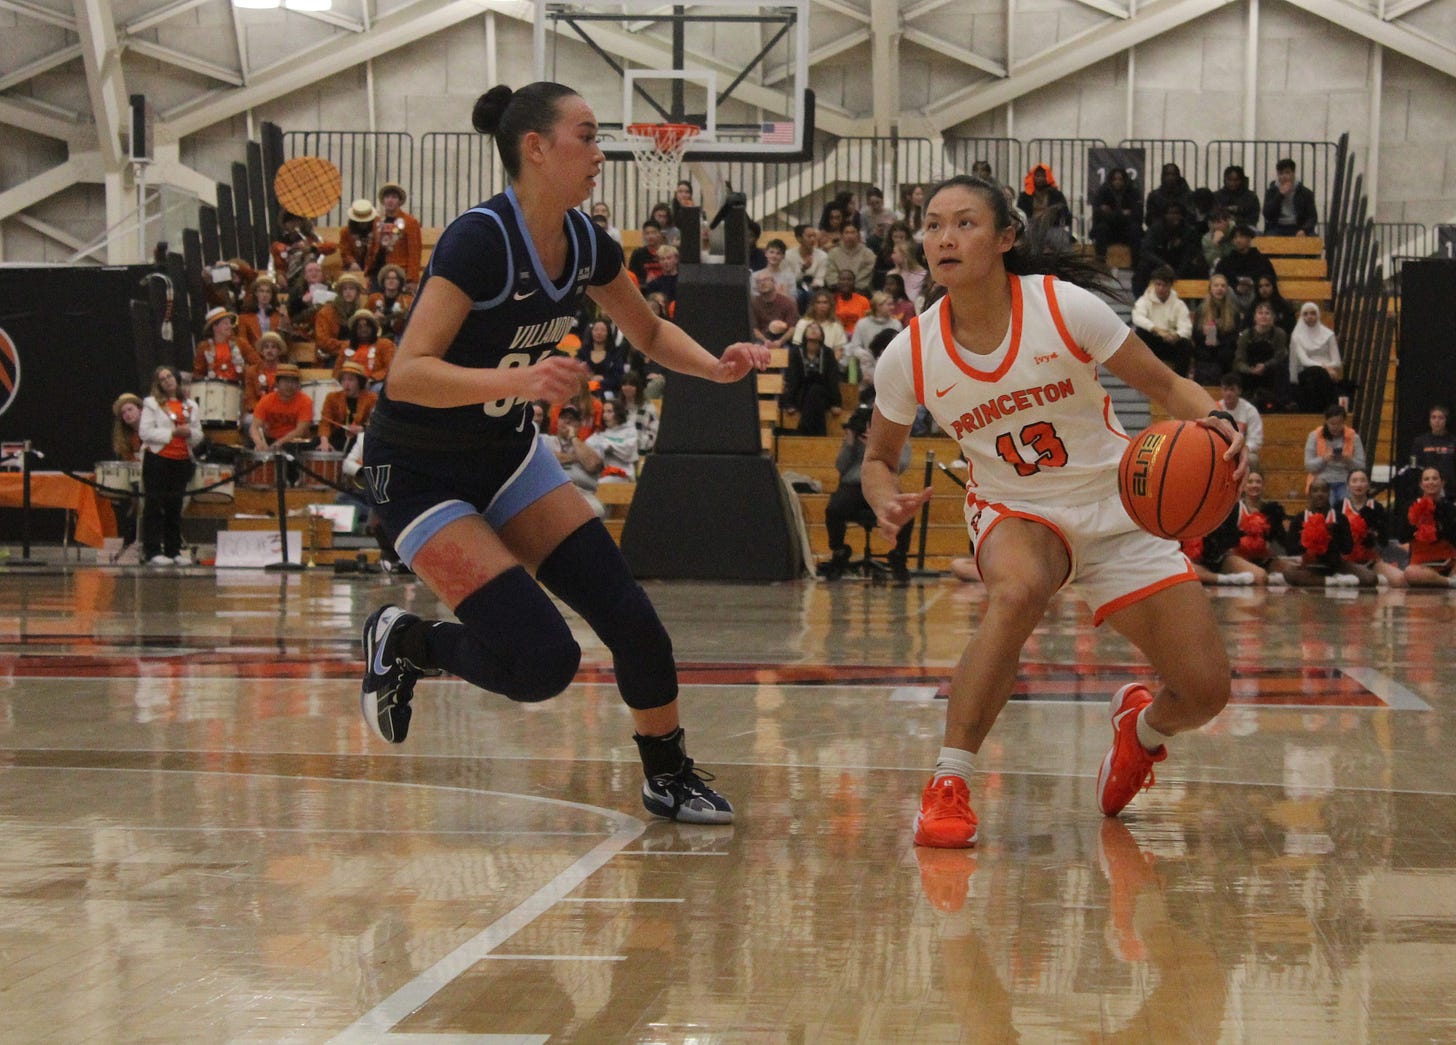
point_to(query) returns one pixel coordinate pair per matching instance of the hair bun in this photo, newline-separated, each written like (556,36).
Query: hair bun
(489,108)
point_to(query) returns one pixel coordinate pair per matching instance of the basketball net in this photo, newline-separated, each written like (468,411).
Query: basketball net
(658,150)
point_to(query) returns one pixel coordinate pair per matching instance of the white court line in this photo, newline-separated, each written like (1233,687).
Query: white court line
(621,899)
(668,852)
(556,957)
(465,1039)
(1387,689)
(913,694)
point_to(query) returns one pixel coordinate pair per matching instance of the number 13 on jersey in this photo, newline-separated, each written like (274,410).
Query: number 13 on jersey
(1041,439)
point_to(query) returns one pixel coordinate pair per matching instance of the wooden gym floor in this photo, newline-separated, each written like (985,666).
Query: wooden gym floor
(203,843)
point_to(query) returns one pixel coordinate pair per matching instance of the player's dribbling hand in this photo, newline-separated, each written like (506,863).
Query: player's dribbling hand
(738,359)
(1237,451)
(553,378)
(899,510)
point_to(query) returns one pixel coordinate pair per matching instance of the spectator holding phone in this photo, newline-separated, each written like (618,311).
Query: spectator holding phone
(1333,451)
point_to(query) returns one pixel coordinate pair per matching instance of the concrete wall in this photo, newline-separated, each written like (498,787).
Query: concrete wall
(1314,82)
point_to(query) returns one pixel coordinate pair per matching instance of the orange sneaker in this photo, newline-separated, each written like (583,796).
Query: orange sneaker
(1128,767)
(946,820)
(945,876)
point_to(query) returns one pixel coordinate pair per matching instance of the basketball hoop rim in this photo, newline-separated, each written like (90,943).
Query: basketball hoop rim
(667,137)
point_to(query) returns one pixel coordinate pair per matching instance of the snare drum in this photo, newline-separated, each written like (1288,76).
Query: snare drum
(220,403)
(207,475)
(317,391)
(118,475)
(264,476)
(326,463)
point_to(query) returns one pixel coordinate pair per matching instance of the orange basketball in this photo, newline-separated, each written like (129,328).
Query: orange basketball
(1174,481)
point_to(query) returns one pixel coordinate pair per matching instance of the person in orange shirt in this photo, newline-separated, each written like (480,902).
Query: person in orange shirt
(346,412)
(284,417)
(331,324)
(296,246)
(372,352)
(169,429)
(219,356)
(399,235)
(263,314)
(391,302)
(359,238)
(849,306)
(262,377)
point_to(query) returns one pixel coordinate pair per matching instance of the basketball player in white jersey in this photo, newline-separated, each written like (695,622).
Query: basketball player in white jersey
(1006,362)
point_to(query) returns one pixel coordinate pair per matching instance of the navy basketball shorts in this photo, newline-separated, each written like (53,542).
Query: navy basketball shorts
(417,493)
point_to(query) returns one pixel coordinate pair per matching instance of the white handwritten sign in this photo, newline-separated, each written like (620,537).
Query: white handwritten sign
(256,548)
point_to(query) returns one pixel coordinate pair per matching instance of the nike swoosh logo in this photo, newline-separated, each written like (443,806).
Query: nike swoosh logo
(941,393)
(380,631)
(522,297)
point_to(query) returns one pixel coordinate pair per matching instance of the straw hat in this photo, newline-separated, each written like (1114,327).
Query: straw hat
(272,337)
(122,400)
(364,313)
(289,370)
(352,367)
(362,210)
(264,280)
(213,315)
(354,278)
(392,186)
(397,270)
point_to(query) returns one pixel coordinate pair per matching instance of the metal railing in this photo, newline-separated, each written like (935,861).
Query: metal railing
(366,160)
(1315,165)
(1159,151)
(1067,158)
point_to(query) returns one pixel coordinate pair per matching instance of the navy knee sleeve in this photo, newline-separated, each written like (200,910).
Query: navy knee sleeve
(588,573)
(511,639)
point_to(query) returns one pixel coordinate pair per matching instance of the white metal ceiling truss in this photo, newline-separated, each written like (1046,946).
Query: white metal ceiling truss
(94,139)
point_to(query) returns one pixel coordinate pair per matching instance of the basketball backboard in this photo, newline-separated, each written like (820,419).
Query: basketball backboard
(736,69)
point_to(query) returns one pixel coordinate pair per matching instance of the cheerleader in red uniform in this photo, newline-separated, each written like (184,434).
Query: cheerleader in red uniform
(1431,530)
(1250,538)
(1319,541)
(1369,530)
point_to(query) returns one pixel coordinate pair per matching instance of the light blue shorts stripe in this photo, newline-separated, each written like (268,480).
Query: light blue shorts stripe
(538,475)
(426,525)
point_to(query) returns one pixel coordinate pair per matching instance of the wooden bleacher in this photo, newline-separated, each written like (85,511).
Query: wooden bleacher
(1298,262)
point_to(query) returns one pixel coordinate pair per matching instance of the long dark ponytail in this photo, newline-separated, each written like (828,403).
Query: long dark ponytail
(1030,255)
(509,116)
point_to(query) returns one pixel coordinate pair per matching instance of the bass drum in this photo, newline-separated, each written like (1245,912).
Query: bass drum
(205,475)
(219,403)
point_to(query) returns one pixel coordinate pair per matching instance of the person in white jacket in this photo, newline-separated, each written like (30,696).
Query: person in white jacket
(1162,320)
(170,428)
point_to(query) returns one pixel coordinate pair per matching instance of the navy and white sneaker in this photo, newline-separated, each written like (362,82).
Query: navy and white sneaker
(686,797)
(389,680)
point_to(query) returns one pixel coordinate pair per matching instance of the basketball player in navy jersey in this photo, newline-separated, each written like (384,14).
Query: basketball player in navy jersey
(455,468)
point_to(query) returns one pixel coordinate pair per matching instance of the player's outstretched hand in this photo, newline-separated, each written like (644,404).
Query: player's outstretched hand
(1237,451)
(901,509)
(737,360)
(553,378)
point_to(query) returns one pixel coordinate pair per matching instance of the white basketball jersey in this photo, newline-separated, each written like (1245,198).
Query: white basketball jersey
(1037,428)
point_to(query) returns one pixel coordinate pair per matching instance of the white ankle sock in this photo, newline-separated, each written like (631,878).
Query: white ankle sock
(1147,736)
(954,761)
(1451,582)
(1276,579)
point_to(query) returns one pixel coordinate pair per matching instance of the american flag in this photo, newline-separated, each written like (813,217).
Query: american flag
(778,133)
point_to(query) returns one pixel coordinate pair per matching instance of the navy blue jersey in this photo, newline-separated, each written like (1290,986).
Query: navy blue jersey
(519,314)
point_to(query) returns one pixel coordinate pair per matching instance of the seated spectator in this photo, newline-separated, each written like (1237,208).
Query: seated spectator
(367,348)
(1289,208)
(1245,415)
(1319,541)
(821,312)
(1436,448)
(807,261)
(1430,529)
(1236,197)
(1172,243)
(905,259)
(756,257)
(346,412)
(880,319)
(1266,288)
(982,169)
(1261,359)
(261,377)
(1202,211)
(616,444)
(1117,216)
(912,209)
(767,307)
(850,306)
(1252,535)
(831,225)
(283,419)
(306,296)
(785,277)
(1333,451)
(602,211)
(399,238)
(391,302)
(643,263)
(605,357)
(901,306)
(1218,240)
(126,445)
(359,238)
(665,282)
(219,357)
(1045,207)
(1243,259)
(1216,327)
(582,463)
(851,256)
(1369,534)
(875,219)
(811,382)
(331,334)
(1161,319)
(1172,188)
(662,214)
(1314,361)
(639,412)
(587,408)
(1242,291)
(261,314)
(296,246)
(231,293)
(847,503)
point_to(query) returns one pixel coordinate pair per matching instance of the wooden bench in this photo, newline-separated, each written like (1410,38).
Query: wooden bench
(1275,246)
(1295,291)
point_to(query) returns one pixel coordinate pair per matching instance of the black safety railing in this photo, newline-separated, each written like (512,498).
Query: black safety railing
(366,160)
(1159,151)
(1315,165)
